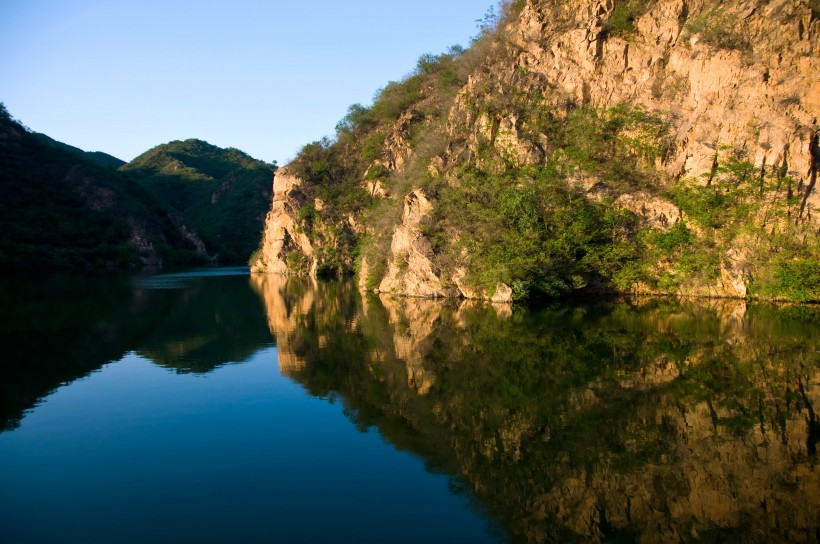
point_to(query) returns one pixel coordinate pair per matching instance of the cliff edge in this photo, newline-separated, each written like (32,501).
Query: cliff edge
(666,146)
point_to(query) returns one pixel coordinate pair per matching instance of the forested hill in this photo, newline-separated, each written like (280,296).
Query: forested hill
(223,193)
(645,146)
(98,157)
(59,209)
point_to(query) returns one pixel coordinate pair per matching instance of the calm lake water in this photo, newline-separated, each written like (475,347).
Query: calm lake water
(214,406)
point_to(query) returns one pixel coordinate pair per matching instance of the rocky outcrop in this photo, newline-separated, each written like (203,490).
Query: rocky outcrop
(397,149)
(734,74)
(283,236)
(410,270)
(654,211)
(503,293)
(727,77)
(724,81)
(395,152)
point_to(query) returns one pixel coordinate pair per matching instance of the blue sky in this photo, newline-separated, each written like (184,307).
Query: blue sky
(265,77)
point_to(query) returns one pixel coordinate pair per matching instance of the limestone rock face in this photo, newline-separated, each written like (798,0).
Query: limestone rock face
(733,75)
(397,144)
(757,89)
(654,211)
(503,293)
(395,153)
(410,270)
(733,275)
(459,279)
(283,236)
(657,212)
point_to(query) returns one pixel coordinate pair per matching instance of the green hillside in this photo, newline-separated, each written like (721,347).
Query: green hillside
(62,210)
(98,157)
(223,193)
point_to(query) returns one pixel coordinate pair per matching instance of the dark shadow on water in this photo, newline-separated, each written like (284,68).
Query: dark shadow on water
(59,328)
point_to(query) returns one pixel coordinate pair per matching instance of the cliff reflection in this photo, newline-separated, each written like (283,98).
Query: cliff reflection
(647,421)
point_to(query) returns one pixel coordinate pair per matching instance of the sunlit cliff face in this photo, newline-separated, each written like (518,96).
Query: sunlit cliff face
(684,132)
(662,421)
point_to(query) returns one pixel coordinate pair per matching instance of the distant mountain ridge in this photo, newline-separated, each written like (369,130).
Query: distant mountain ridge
(223,193)
(98,157)
(178,203)
(61,209)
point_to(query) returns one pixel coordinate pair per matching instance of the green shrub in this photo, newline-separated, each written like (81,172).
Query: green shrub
(719,29)
(674,238)
(527,228)
(796,279)
(372,148)
(619,145)
(621,21)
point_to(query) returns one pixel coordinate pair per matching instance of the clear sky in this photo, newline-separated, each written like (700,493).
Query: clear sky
(265,77)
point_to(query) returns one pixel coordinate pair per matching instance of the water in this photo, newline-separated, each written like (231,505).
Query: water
(212,406)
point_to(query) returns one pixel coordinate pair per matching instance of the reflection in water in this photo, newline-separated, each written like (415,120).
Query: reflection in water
(208,323)
(649,420)
(64,327)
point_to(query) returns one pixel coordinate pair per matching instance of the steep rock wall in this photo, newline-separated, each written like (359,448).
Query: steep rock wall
(283,236)
(733,79)
(758,93)
(411,271)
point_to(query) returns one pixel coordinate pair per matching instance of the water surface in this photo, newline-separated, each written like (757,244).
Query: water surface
(211,406)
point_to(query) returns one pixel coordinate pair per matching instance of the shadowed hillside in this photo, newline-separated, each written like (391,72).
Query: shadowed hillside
(61,210)
(223,193)
(98,157)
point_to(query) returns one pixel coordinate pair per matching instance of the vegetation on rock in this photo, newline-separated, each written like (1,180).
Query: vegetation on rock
(552,174)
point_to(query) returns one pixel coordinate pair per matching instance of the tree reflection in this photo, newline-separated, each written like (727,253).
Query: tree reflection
(208,323)
(57,329)
(647,420)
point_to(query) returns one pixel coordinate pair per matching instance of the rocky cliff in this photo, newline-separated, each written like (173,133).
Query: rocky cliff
(739,74)
(638,145)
